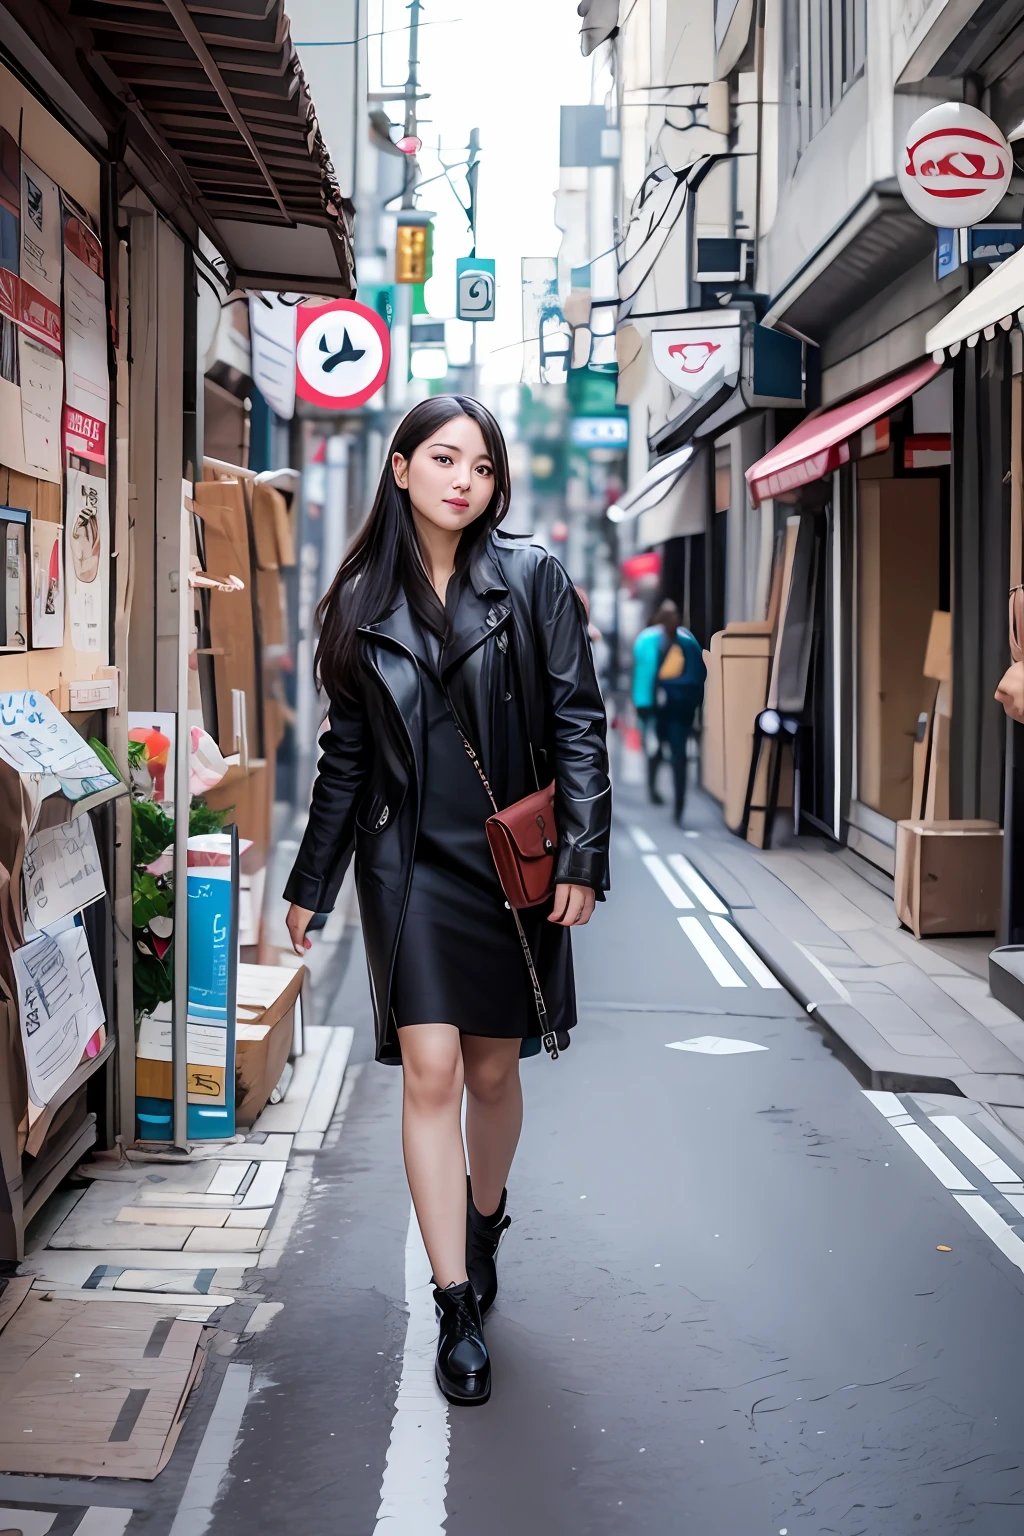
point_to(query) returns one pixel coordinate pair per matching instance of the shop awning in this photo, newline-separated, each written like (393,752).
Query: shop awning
(683,512)
(993,304)
(215,100)
(655,485)
(818,446)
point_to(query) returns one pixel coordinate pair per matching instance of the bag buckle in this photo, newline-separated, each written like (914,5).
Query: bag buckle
(550,1045)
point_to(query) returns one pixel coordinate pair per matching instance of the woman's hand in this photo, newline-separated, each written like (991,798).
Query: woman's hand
(574,905)
(297,922)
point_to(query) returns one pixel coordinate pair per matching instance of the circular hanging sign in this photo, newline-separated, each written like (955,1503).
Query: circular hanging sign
(342,352)
(957,166)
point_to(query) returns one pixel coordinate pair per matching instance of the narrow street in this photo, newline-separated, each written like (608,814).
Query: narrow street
(725,1303)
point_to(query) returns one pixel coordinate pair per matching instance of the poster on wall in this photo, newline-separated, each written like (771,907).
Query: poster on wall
(47,584)
(14,612)
(40,231)
(86,375)
(87,560)
(42,391)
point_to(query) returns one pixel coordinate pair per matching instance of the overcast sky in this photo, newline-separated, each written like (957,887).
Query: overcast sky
(505,67)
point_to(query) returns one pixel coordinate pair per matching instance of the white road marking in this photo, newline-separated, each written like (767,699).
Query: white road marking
(699,886)
(644,843)
(412,1492)
(993,1225)
(979,1152)
(743,952)
(715,1045)
(945,1171)
(195,1512)
(710,953)
(672,889)
(31,1522)
(887,1104)
(103,1521)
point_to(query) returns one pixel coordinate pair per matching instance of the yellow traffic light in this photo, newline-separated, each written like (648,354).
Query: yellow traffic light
(413,252)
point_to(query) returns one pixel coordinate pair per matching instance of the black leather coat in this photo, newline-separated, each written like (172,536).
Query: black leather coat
(366,797)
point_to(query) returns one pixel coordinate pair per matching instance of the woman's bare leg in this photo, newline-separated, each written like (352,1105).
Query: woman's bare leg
(494,1115)
(435,1160)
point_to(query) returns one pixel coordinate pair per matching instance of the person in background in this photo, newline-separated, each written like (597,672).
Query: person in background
(668,686)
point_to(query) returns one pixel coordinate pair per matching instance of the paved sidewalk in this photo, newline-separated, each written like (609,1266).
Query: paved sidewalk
(918,1014)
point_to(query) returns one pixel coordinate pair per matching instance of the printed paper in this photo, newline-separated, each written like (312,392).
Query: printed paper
(42,390)
(61,872)
(47,585)
(87,384)
(14,571)
(35,738)
(60,1008)
(87,561)
(40,230)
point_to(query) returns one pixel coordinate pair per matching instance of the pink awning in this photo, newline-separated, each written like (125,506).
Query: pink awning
(817,447)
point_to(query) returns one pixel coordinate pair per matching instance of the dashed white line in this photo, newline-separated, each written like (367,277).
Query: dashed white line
(643,842)
(987,1162)
(744,953)
(412,1493)
(710,953)
(963,1191)
(672,889)
(933,1157)
(993,1225)
(708,899)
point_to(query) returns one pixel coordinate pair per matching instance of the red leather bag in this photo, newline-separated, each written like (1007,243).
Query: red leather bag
(524,842)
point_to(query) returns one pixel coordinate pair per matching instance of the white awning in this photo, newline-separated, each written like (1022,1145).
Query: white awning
(653,487)
(683,511)
(993,305)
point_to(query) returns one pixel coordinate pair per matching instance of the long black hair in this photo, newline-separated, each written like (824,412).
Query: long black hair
(384,558)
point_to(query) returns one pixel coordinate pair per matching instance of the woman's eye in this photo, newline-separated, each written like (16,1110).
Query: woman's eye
(441,458)
(484,469)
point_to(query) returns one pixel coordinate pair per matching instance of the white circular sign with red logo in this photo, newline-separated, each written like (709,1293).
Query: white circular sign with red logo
(342,352)
(956,166)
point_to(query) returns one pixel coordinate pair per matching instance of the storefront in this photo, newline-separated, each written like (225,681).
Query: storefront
(142,572)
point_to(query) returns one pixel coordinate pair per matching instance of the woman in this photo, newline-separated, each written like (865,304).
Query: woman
(438,638)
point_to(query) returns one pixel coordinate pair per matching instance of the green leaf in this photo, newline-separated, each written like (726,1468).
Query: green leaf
(106,757)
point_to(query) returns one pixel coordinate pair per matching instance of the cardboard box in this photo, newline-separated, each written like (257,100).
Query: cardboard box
(267,996)
(948,876)
(712,738)
(746,656)
(938,657)
(221,505)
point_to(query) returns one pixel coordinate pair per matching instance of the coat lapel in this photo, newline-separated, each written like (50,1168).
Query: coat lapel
(482,609)
(397,647)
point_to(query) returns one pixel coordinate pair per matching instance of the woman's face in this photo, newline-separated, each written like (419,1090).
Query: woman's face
(449,478)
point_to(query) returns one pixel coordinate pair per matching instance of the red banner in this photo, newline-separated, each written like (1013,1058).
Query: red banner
(30,310)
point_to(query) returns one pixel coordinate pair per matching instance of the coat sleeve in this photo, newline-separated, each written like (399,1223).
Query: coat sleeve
(583,800)
(327,844)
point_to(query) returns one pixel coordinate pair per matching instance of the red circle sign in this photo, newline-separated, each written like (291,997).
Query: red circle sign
(957,166)
(342,353)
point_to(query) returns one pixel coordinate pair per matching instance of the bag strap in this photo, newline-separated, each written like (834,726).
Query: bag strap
(520,692)
(547,1034)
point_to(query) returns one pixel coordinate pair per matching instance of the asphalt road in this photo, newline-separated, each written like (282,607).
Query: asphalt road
(723,1307)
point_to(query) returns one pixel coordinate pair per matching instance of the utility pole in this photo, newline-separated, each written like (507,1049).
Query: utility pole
(411,93)
(472,175)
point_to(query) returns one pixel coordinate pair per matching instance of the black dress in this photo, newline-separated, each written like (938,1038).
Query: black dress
(460,959)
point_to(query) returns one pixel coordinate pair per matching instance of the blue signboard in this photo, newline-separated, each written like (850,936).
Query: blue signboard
(947,252)
(600,431)
(474,288)
(990,244)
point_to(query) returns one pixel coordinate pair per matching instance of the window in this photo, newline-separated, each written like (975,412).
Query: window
(824,43)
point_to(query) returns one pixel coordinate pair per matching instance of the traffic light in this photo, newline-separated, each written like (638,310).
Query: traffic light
(414,252)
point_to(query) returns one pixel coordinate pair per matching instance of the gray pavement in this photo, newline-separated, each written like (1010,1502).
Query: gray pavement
(723,1303)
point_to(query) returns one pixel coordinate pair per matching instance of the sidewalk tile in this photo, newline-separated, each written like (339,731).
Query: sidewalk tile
(819,894)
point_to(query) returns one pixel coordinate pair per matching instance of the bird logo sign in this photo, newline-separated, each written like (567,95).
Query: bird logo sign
(956,166)
(342,352)
(697,362)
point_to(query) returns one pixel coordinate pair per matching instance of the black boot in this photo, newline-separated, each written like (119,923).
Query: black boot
(653,764)
(483,1239)
(463,1366)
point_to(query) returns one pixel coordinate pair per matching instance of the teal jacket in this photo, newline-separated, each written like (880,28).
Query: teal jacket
(648,654)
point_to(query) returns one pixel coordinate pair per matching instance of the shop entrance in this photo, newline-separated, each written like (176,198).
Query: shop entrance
(901,565)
